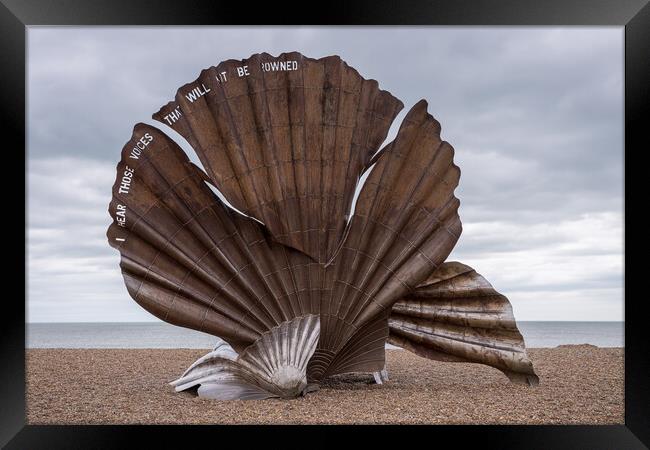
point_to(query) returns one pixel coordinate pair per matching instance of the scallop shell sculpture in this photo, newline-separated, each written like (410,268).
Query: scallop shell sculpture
(282,273)
(273,366)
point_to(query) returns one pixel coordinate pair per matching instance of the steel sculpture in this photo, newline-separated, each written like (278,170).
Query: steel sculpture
(296,285)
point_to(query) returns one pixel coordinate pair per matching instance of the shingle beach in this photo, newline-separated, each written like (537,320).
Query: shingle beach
(579,384)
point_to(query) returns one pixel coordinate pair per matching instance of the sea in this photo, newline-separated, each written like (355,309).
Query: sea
(164,335)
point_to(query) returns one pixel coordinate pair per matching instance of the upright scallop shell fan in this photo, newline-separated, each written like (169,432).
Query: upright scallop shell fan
(298,291)
(285,140)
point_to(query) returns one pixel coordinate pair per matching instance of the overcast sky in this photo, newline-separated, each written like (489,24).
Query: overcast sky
(535,115)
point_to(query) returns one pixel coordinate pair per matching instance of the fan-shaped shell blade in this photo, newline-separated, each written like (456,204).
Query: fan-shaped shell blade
(363,352)
(456,315)
(192,261)
(285,140)
(404,226)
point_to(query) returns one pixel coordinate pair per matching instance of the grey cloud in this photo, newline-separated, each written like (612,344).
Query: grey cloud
(535,116)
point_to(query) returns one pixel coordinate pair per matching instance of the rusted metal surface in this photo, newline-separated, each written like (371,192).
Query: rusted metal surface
(404,226)
(285,140)
(192,261)
(456,315)
(285,146)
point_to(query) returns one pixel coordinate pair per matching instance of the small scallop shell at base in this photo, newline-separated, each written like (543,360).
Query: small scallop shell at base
(273,366)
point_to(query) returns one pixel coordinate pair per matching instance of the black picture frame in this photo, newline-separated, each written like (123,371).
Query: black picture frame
(16,15)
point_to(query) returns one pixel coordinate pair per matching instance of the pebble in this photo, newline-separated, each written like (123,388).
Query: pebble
(578,385)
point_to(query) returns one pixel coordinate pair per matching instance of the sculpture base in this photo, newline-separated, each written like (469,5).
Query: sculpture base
(381,376)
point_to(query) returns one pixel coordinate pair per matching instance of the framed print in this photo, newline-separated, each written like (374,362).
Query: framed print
(388,216)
